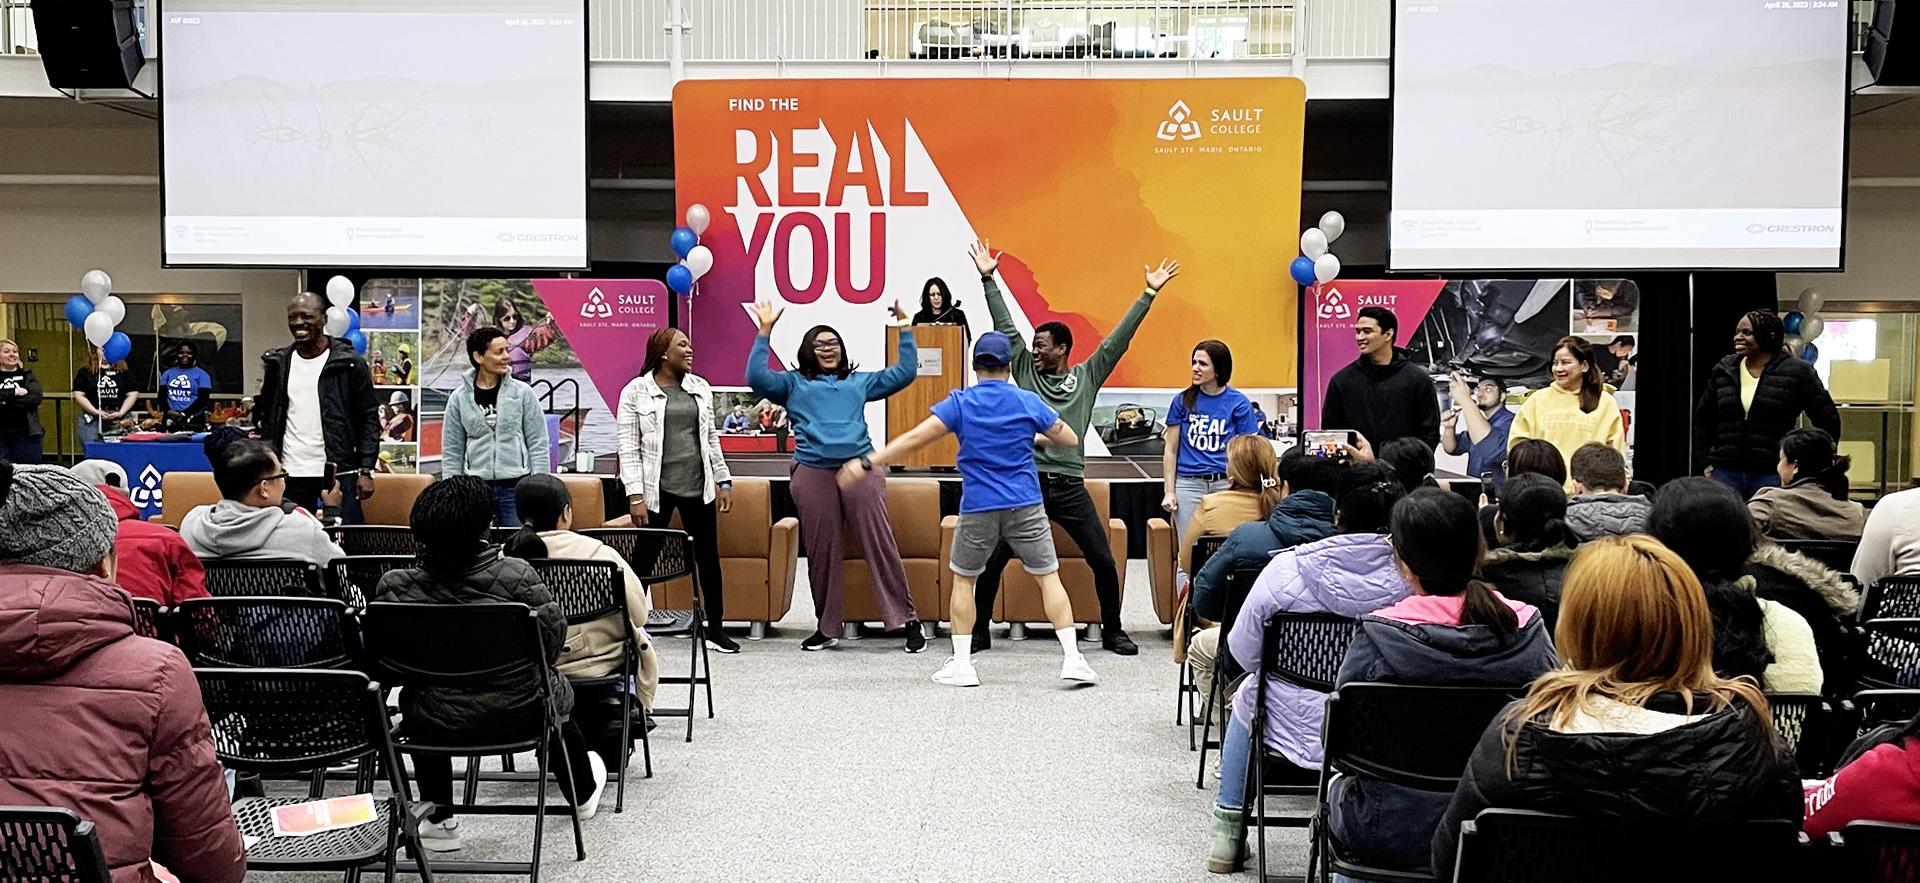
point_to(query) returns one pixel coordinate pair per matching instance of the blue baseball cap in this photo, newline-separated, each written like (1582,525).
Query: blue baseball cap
(993,350)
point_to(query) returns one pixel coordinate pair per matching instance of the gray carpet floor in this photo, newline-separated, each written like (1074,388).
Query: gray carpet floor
(849,764)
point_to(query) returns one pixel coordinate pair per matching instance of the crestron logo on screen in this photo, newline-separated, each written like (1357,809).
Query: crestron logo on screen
(1333,305)
(1179,124)
(596,306)
(148,494)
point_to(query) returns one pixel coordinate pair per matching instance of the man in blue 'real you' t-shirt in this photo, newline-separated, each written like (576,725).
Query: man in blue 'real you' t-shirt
(997,424)
(185,390)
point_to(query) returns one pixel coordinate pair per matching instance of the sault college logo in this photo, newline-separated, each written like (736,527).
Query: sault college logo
(1333,304)
(596,306)
(1179,124)
(146,495)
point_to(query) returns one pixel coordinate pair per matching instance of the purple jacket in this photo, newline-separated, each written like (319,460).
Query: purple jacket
(1349,575)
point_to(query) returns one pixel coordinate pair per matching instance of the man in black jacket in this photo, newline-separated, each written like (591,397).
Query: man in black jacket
(1382,395)
(318,409)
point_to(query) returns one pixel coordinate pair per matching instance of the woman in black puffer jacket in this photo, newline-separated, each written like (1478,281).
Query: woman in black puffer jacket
(1739,432)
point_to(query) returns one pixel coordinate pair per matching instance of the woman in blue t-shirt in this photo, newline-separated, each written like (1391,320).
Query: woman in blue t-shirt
(1199,424)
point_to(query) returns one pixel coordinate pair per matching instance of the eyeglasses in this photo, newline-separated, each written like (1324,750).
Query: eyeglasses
(826,343)
(276,477)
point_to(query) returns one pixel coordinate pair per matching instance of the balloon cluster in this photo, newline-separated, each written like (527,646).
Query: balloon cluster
(1804,325)
(1315,264)
(96,313)
(695,259)
(343,321)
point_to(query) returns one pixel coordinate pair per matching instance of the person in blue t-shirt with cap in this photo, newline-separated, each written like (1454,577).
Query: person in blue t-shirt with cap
(997,424)
(1201,421)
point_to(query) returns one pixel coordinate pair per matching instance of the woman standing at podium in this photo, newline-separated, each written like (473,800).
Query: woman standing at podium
(939,307)
(827,399)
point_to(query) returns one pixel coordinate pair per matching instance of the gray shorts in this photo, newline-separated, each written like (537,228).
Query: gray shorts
(1024,529)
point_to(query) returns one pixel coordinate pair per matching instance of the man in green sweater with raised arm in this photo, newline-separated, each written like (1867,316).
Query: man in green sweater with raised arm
(1070,392)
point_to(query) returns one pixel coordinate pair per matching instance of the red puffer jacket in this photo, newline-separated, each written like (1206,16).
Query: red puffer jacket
(111,726)
(154,561)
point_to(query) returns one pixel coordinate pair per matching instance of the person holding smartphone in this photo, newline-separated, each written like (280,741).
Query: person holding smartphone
(1477,425)
(318,409)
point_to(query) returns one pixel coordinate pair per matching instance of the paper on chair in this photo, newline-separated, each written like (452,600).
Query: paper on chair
(317,816)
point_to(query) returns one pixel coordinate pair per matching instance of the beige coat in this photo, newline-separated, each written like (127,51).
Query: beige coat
(593,648)
(1804,510)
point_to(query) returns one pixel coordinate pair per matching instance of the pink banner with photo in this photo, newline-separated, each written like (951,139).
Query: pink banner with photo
(607,322)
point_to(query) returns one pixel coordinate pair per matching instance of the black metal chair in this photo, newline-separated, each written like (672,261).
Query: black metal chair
(273,721)
(475,646)
(588,591)
(1234,593)
(47,844)
(1891,657)
(1186,702)
(265,632)
(1369,733)
(1878,852)
(1836,554)
(1805,724)
(248,577)
(659,555)
(355,577)
(1515,845)
(1893,597)
(375,539)
(148,619)
(1305,650)
(1868,709)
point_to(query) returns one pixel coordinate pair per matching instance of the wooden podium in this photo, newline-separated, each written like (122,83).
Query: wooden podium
(943,369)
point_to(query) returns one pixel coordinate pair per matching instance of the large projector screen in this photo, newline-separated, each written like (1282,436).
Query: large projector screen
(1541,135)
(417,133)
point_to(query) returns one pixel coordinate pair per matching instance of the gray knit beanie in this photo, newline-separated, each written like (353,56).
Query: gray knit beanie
(50,517)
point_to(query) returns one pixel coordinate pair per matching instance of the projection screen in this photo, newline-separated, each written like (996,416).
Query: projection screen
(418,133)
(1639,134)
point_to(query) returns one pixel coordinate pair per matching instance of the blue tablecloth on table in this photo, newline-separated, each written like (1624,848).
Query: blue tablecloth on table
(147,463)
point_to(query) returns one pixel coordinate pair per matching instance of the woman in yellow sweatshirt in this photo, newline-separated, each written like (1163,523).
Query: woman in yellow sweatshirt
(1573,410)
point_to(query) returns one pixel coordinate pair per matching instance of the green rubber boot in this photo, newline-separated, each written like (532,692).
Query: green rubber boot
(1229,850)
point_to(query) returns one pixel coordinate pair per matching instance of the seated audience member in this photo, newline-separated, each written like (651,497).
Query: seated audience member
(1811,502)
(1536,543)
(1706,524)
(1303,515)
(1253,489)
(252,519)
(545,507)
(1412,462)
(1890,543)
(155,562)
(1636,726)
(1878,781)
(1533,456)
(1601,505)
(97,720)
(452,519)
(1350,574)
(1454,630)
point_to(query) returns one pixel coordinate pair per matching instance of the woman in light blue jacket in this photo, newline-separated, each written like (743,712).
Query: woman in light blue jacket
(495,428)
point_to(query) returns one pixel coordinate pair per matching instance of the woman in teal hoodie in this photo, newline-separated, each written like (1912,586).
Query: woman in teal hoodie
(827,400)
(495,428)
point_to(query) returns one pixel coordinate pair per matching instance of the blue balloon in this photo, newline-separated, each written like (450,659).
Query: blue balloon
(1809,352)
(359,341)
(353,319)
(78,309)
(679,278)
(683,240)
(118,347)
(1302,270)
(1792,321)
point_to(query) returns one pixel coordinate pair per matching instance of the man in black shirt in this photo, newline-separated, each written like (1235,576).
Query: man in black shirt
(1383,395)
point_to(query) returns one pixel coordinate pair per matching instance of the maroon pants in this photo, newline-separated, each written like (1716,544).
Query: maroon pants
(826,510)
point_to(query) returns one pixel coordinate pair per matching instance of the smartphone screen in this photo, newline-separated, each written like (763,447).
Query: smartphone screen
(1486,487)
(1327,442)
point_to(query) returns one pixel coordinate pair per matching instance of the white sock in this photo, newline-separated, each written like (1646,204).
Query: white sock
(1069,641)
(962,647)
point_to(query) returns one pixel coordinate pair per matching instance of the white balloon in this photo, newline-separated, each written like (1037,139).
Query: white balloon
(1810,328)
(1794,343)
(339,291)
(1811,301)
(99,327)
(699,260)
(96,285)
(113,307)
(1333,225)
(1313,243)
(697,221)
(1326,268)
(338,320)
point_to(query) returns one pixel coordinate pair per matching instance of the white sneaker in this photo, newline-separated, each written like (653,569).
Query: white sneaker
(591,805)
(1075,668)
(957,674)
(440,836)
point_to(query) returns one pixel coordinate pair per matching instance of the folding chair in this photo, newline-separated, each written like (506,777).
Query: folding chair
(659,555)
(375,539)
(1878,852)
(477,647)
(1303,649)
(1187,700)
(1835,554)
(265,632)
(593,590)
(47,844)
(272,721)
(1239,582)
(1370,732)
(354,578)
(236,577)
(1514,845)
(1892,597)
(147,618)
(1868,709)
(1891,657)
(1805,724)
